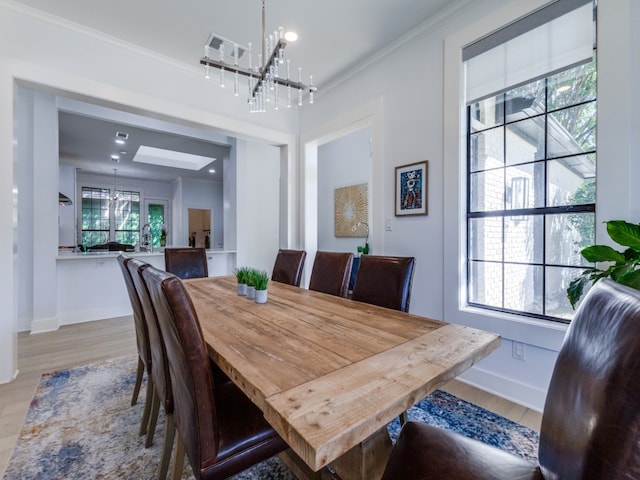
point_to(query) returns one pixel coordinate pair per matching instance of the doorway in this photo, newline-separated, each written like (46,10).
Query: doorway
(157,217)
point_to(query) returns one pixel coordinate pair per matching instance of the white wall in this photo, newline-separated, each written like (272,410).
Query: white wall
(417,123)
(37,245)
(257,204)
(342,162)
(24,176)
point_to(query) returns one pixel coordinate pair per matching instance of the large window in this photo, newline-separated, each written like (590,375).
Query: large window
(531,160)
(104,220)
(531,184)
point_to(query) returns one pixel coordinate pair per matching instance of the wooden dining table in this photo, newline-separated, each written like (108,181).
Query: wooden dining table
(330,373)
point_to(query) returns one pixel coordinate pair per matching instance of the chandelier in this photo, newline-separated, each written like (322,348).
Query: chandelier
(114,198)
(264,79)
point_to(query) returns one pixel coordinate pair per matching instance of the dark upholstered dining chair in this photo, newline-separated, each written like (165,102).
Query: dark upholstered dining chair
(591,419)
(219,428)
(142,342)
(331,271)
(384,281)
(288,267)
(159,369)
(186,262)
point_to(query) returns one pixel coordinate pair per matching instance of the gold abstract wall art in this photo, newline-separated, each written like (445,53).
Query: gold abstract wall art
(351,211)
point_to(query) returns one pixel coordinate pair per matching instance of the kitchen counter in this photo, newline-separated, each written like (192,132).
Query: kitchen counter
(90,284)
(159,253)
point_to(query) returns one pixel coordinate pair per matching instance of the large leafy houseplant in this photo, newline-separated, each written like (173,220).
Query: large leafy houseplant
(625,268)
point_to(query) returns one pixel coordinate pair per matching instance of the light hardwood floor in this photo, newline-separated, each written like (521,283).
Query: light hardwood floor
(89,342)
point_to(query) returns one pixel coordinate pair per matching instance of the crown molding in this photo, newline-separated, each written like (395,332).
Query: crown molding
(97,35)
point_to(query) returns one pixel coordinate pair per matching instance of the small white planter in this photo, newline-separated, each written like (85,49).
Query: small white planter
(242,289)
(261,296)
(251,292)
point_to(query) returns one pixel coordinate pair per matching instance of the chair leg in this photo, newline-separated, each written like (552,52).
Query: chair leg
(151,429)
(167,447)
(136,388)
(178,466)
(403,418)
(148,401)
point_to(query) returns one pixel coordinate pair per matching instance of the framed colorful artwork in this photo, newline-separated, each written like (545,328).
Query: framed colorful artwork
(411,189)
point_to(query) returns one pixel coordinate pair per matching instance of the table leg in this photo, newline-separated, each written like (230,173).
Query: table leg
(367,460)
(300,469)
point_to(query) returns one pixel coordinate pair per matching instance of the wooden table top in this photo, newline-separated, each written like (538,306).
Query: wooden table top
(326,371)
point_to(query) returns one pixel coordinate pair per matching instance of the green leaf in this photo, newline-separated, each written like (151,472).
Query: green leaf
(602,253)
(624,233)
(631,255)
(631,279)
(574,292)
(618,271)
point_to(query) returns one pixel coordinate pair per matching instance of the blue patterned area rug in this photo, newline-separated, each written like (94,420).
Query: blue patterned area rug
(80,425)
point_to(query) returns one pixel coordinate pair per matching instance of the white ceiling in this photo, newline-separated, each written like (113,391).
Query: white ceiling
(334,35)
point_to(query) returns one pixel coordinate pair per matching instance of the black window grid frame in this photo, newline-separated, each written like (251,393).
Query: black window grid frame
(525,212)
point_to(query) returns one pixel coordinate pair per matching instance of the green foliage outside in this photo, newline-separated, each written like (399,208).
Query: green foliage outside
(156,222)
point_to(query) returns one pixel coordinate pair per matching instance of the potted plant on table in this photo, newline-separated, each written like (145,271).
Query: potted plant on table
(261,279)
(625,268)
(251,283)
(241,277)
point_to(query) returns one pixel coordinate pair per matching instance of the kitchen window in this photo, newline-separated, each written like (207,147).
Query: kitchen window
(106,219)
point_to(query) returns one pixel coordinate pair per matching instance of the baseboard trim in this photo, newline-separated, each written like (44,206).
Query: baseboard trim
(90,315)
(504,387)
(44,325)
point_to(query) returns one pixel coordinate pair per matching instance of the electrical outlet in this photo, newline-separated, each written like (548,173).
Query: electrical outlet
(517,350)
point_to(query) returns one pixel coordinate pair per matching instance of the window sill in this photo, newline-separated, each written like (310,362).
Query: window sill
(532,331)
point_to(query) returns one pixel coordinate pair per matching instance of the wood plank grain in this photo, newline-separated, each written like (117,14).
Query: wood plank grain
(324,418)
(298,335)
